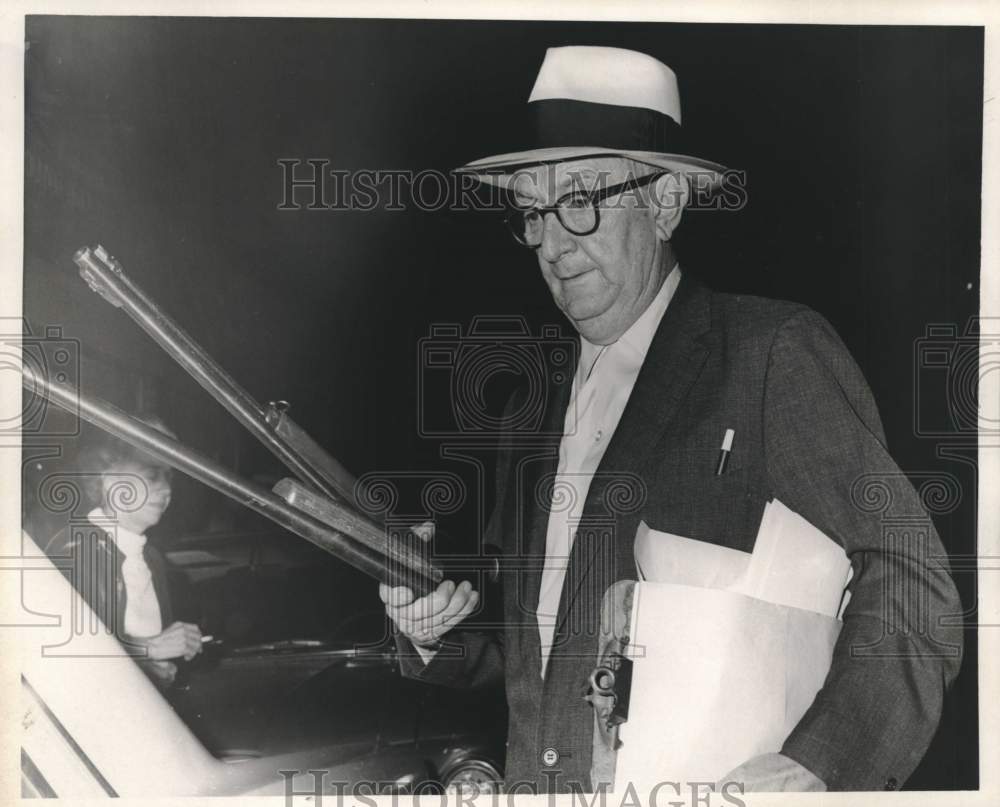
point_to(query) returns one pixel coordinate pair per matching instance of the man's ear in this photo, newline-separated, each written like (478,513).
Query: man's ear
(669,197)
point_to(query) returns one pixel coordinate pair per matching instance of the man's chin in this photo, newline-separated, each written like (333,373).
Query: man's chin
(584,307)
(591,324)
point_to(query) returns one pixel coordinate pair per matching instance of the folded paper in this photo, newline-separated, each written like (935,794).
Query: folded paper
(729,648)
(792,563)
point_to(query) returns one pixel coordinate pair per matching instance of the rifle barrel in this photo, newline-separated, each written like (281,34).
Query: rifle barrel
(105,276)
(381,560)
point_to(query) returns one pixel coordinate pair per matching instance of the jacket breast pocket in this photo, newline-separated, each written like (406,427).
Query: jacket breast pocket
(687,498)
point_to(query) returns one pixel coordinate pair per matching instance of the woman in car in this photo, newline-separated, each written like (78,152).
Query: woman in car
(121,576)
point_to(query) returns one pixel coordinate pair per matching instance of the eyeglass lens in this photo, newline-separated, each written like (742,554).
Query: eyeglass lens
(576,214)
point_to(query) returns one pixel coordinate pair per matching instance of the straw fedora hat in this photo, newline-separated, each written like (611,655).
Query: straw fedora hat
(599,102)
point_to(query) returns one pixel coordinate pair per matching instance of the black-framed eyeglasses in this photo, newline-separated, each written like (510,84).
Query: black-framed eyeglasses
(577,212)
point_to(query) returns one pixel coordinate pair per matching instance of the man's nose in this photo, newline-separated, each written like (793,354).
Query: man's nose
(556,239)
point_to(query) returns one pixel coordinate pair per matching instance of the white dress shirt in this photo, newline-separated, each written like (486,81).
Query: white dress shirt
(604,379)
(142,609)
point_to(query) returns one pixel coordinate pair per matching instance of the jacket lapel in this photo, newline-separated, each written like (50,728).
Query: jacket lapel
(541,465)
(531,515)
(675,358)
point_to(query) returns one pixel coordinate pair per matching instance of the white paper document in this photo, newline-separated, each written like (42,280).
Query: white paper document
(729,647)
(792,563)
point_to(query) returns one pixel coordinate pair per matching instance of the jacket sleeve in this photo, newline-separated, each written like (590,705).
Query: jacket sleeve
(467,659)
(874,717)
(471,658)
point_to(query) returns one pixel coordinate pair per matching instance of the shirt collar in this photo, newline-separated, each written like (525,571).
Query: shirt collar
(637,339)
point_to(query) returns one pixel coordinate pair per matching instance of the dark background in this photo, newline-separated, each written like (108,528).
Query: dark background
(160,139)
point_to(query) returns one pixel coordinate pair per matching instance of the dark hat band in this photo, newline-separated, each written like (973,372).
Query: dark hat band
(560,122)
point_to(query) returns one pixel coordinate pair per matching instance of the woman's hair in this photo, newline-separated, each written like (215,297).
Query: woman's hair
(103,452)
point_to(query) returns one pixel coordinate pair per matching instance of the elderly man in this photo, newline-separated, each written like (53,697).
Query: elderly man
(666,369)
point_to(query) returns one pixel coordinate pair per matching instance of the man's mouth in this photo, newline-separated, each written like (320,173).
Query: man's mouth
(575,277)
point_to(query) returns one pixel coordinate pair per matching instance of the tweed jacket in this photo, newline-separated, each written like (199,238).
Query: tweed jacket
(807,433)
